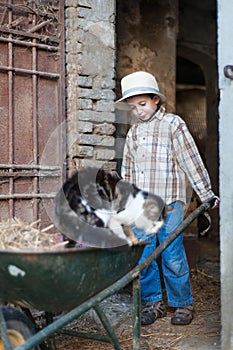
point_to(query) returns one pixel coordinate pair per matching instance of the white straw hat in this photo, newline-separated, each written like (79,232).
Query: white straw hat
(138,83)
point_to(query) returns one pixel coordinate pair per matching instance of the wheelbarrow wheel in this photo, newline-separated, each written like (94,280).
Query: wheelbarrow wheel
(19,327)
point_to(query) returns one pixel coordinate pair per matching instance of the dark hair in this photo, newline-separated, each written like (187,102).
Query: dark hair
(159,104)
(146,94)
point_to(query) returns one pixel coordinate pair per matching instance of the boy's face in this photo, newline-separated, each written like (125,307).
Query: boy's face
(143,106)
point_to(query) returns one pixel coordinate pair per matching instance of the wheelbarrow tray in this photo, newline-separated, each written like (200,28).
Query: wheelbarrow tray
(56,281)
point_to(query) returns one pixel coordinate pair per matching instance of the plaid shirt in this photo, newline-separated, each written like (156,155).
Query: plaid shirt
(160,156)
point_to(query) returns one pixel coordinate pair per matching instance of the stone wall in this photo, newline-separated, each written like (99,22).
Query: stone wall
(90,70)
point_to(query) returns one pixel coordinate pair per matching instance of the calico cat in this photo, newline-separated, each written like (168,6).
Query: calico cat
(101,198)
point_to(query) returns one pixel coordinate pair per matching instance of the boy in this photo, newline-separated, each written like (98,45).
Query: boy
(159,156)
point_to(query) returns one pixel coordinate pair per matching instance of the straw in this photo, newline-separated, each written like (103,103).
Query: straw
(16,235)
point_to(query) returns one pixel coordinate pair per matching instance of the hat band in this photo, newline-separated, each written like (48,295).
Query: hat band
(139,90)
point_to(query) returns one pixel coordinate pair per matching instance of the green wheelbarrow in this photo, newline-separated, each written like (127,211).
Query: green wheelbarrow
(75,280)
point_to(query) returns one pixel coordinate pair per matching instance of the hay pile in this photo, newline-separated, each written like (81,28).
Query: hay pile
(16,235)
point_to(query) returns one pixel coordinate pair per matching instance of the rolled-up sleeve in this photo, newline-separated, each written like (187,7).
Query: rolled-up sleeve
(191,163)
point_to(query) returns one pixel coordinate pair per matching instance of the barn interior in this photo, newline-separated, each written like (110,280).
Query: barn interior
(176,41)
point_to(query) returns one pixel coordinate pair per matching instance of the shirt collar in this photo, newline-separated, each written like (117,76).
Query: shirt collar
(160,113)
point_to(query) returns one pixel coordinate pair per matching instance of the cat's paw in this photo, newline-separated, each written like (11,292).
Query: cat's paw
(132,239)
(135,241)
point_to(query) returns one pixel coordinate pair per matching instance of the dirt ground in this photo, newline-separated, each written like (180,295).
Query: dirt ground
(203,333)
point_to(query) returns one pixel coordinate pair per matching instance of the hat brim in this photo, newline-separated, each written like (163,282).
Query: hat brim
(122,104)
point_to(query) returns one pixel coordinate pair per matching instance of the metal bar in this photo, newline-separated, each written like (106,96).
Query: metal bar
(107,327)
(35,124)
(10,117)
(29,44)
(43,38)
(51,340)
(3,332)
(30,166)
(27,196)
(29,72)
(62,96)
(17,175)
(136,313)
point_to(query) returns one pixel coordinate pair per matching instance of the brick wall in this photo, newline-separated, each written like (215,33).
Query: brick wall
(90,69)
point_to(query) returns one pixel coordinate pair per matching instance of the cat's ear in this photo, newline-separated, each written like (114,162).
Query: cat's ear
(115,175)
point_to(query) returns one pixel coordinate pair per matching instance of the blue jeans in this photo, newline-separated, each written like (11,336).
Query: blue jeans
(175,267)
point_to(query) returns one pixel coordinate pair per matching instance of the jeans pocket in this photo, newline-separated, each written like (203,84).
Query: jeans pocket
(174,218)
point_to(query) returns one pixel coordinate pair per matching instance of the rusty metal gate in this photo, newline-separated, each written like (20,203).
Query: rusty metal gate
(32,137)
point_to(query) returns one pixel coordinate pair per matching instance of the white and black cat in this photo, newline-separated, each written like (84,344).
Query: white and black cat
(102,199)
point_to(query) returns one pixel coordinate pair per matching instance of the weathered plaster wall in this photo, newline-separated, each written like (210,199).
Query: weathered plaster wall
(90,61)
(146,40)
(225,54)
